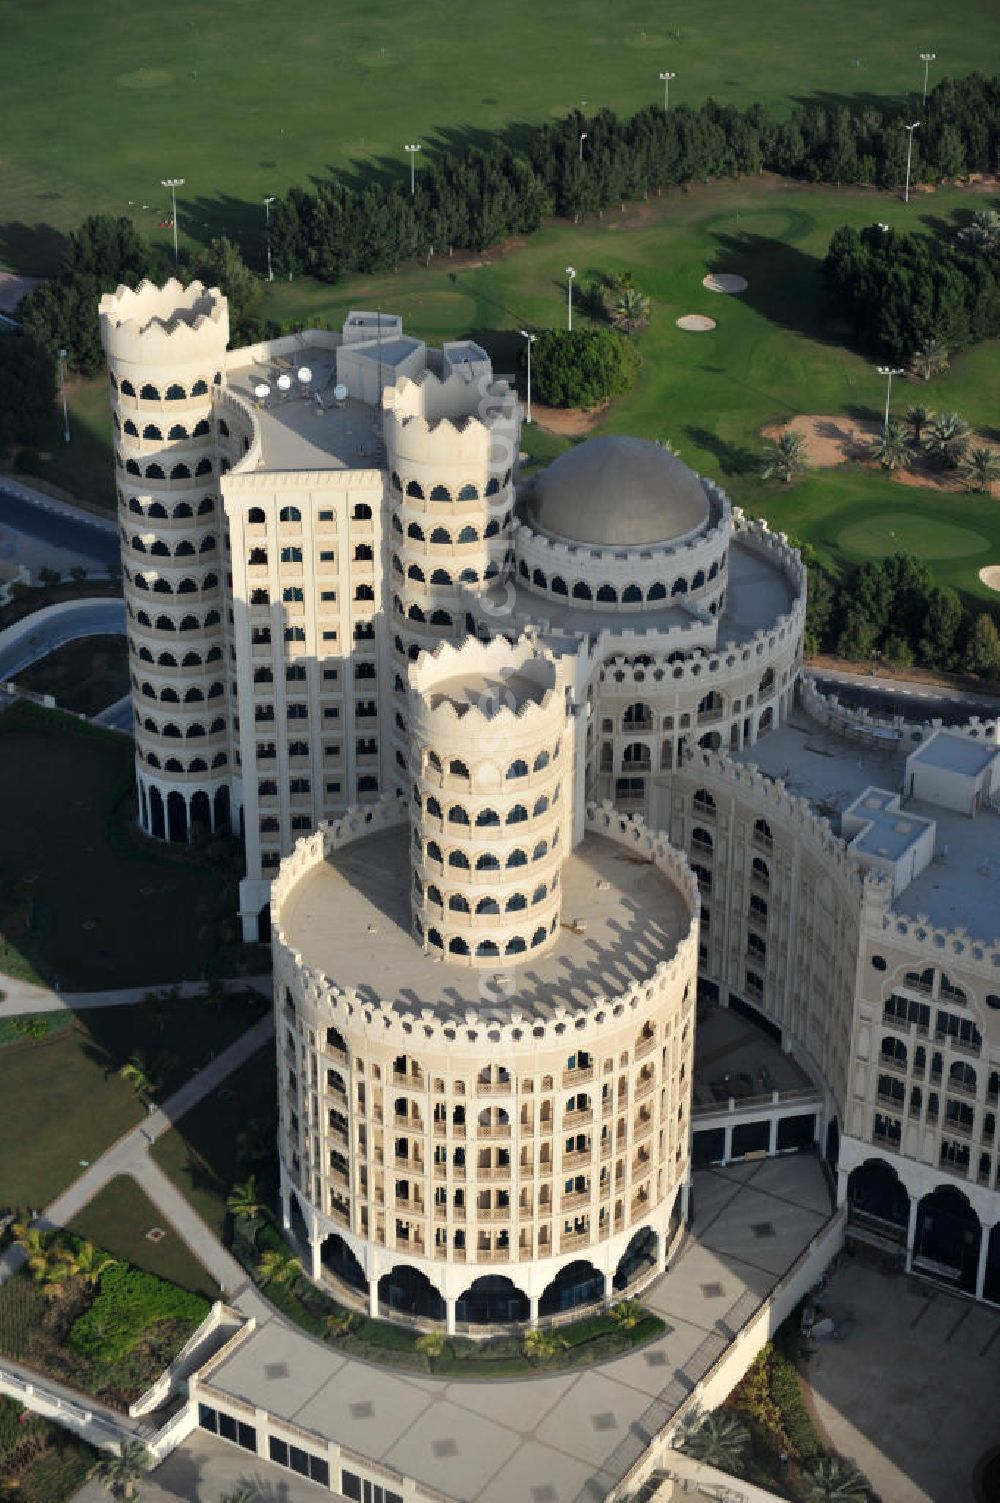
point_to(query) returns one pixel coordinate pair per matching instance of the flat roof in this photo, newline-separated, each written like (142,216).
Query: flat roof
(757,594)
(960,886)
(296,433)
(350,918)
(390,352)
(956,754)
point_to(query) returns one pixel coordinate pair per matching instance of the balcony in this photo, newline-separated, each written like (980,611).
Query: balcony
(578,1076)
(493,1130)
(644,1045)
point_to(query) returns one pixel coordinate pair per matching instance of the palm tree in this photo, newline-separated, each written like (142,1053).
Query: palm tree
(278,1266)
(89,1262)
(836,1481)
(981,469)
(627,1314)
(890,448)
(785,457)
(138,1072)
(539,1346)
(243,1492)
(243,1201)
(121,1471)
(917,418)
(630,311)
(721,1441)
(930,360)
(47,1258)
(983,230)
(255,1143)
(431,1343)
(946,440)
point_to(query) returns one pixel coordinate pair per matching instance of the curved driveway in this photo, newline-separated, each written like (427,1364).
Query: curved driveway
(39,634)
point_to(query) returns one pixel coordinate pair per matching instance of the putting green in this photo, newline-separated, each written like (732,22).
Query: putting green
(901,532)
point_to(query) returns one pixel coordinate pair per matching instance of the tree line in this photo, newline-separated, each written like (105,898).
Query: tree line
(913,298)
(473,199)
(894,612)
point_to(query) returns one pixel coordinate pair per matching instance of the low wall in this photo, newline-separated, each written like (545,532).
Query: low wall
(895,730)
(720,1380)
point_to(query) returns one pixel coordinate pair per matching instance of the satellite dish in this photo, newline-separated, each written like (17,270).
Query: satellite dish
(284,383)
(304,375)
(261,391)
(340,392)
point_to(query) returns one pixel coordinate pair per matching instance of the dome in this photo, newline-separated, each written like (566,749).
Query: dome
(618,493)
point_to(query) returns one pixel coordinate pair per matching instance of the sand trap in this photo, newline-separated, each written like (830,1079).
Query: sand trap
(696,323)
(723,281)
(990,577)
(835,440)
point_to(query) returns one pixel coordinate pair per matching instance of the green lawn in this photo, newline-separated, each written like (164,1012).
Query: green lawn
(119,1218)
(206,1154)
(84,676)
(247,98)
(62,1101)
(84,900)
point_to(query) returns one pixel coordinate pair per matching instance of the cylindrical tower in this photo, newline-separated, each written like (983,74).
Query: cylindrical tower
(451,453)
(166,351)
(491,760)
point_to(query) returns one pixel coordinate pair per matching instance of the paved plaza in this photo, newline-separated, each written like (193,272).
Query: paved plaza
(563,1439)
(928,1407)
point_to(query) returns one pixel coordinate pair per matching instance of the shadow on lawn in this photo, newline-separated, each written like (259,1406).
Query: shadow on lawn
(783,281)
(732,459)
(36,250)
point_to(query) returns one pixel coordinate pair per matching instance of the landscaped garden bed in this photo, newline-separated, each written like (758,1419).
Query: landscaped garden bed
(90,1321)
(765,1432)
(39,1461)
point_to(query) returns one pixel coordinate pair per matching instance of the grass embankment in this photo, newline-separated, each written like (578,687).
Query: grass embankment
(85,901)
(40,1462)
(63,1101)
(83,676)
(291,90)
(109,1332)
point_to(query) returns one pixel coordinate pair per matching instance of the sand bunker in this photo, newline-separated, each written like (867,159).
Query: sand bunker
(723,281)
(990,577)
(696,323)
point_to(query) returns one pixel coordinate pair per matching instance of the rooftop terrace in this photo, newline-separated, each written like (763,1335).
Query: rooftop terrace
(308,431)
(960,887)
(350,919)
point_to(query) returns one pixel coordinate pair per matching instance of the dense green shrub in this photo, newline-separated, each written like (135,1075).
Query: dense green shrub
(128,1303)
(583,368)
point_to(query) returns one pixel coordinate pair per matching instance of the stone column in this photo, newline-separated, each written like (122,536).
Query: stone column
(373,1278)
(727,1148)
(911,1232)
(609,1290)
(449,1314)
(984,1252)
(533,1311)
(842,1180)
(772,1141)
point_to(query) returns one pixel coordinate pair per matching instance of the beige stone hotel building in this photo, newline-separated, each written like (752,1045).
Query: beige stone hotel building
(526,772)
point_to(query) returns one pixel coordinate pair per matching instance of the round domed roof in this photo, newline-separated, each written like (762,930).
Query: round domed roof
(618,493)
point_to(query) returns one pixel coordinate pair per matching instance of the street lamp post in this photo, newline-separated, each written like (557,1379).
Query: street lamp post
(62,385)
(570,274)
(665,81)
(173,183)
(583,137)
(909,156)
(412,148)
(531,339)
(927,58)
(267,221)
(888,371)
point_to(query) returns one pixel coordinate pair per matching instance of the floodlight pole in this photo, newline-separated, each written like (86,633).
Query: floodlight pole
(531,339)
(570,274)
(62,384)
(909,155)
(888,371)
(412,148)
(927,58)
(583,137)
(267,221)
(665,80)
(173,183)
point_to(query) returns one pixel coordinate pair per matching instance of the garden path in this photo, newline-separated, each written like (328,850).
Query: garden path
(21,998)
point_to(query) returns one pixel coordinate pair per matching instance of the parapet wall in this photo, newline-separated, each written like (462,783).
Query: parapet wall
(828,710)
(499,1022)
(164,326)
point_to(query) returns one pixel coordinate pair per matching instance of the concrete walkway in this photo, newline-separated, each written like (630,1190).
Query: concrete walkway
(105,1425)
(130,1155)
(23,998)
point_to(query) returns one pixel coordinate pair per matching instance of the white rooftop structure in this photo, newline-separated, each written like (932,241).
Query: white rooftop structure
(951,770)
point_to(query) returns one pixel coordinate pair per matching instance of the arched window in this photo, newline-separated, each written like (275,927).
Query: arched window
(517,769)
(175,392)
(468,493)
(440,493)
(289,514)
(582,591)
(256,515)
(458,859)
(517,814)
(607,594)
(487,862)
(148,393)
(440,535)
(415,490)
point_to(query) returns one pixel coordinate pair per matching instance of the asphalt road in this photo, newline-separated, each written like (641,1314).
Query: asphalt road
(89,618)
(51,525)
(914,702)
